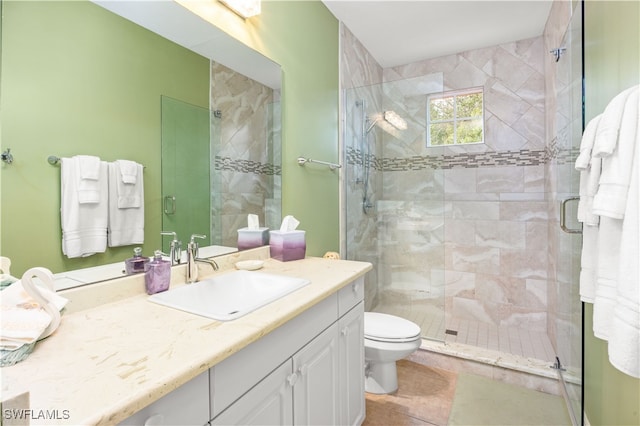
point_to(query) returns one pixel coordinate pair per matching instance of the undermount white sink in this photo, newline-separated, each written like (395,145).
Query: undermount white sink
(229,296)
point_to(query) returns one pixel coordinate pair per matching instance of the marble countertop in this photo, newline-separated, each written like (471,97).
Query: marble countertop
(115,352)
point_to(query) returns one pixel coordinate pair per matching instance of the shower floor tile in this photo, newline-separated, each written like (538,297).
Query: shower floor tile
(512,340)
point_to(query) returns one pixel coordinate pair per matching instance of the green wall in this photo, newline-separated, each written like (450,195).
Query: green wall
(302,36)
(76,79)
(62,96)
(612,64)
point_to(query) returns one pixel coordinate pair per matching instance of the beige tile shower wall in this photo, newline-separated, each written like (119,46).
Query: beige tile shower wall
(491,215)
(242,162)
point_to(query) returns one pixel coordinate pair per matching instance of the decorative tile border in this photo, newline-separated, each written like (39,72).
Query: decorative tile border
(246,166)
(523,157)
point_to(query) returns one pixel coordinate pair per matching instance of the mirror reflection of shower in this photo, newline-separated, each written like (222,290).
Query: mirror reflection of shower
(388,121)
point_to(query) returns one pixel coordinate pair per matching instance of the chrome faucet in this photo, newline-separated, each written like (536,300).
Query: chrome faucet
(175,252)
(192,258)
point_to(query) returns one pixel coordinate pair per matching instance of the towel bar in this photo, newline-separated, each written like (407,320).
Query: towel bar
(302,161)
(55,161)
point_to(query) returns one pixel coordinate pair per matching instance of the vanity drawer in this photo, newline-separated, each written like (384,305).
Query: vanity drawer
(350,296)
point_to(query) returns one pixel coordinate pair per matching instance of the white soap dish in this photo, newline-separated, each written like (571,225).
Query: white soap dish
(250,265)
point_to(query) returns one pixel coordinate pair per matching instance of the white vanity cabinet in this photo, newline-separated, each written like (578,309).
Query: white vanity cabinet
(316,388)
(308,371)
(351,362)
(270,402)
(187,405)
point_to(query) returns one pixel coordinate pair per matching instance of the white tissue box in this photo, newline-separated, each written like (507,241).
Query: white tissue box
(252,238)
(287,245)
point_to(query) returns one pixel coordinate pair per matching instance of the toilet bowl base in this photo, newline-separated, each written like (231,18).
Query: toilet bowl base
(381,378)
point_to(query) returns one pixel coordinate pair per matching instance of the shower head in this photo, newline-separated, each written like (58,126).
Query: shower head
(395,120)
(390,117)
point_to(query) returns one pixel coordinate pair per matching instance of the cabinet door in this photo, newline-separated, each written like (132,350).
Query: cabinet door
(315,393)
(270,402)
(352,408)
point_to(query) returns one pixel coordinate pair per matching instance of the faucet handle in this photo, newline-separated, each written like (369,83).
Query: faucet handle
(193,245)
(201,236)
(175,236)
(175,247)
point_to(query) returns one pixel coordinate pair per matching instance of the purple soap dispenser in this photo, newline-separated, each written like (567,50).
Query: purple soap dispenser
(158,275)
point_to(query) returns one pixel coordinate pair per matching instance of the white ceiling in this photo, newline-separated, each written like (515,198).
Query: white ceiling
(399,32)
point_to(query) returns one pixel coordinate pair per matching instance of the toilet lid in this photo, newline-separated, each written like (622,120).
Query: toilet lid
(384,327)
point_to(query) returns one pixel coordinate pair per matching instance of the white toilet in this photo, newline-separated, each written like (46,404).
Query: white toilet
(387,338)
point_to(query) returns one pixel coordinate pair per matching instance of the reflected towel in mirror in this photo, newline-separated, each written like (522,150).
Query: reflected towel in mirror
(84,226)
(126,208)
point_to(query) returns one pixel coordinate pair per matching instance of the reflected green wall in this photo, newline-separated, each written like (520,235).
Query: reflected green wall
(40,73)
(76,79)
(303,37)
(612,64)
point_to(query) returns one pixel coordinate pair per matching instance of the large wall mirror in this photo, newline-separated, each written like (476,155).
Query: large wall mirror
(147,81)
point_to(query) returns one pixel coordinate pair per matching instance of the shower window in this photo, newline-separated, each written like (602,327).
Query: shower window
(455,117)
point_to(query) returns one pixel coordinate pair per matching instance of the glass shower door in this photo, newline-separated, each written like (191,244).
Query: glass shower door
(395,200)
(186,204)
(569,123)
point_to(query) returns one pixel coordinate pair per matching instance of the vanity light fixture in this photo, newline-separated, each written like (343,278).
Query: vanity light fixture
(395,120)
(244,8)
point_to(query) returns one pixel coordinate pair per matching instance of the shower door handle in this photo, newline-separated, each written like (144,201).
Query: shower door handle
(563,216)
(170,204)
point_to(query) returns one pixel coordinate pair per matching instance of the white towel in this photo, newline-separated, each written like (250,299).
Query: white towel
(84,226)
(609,234)
(589,263)
(589,174)
(89,166)
(614,181)
(128,170)
(89,178)
(624,340)
(128,195)
(126,208)
(586,145)
(607,135)
(29,312)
